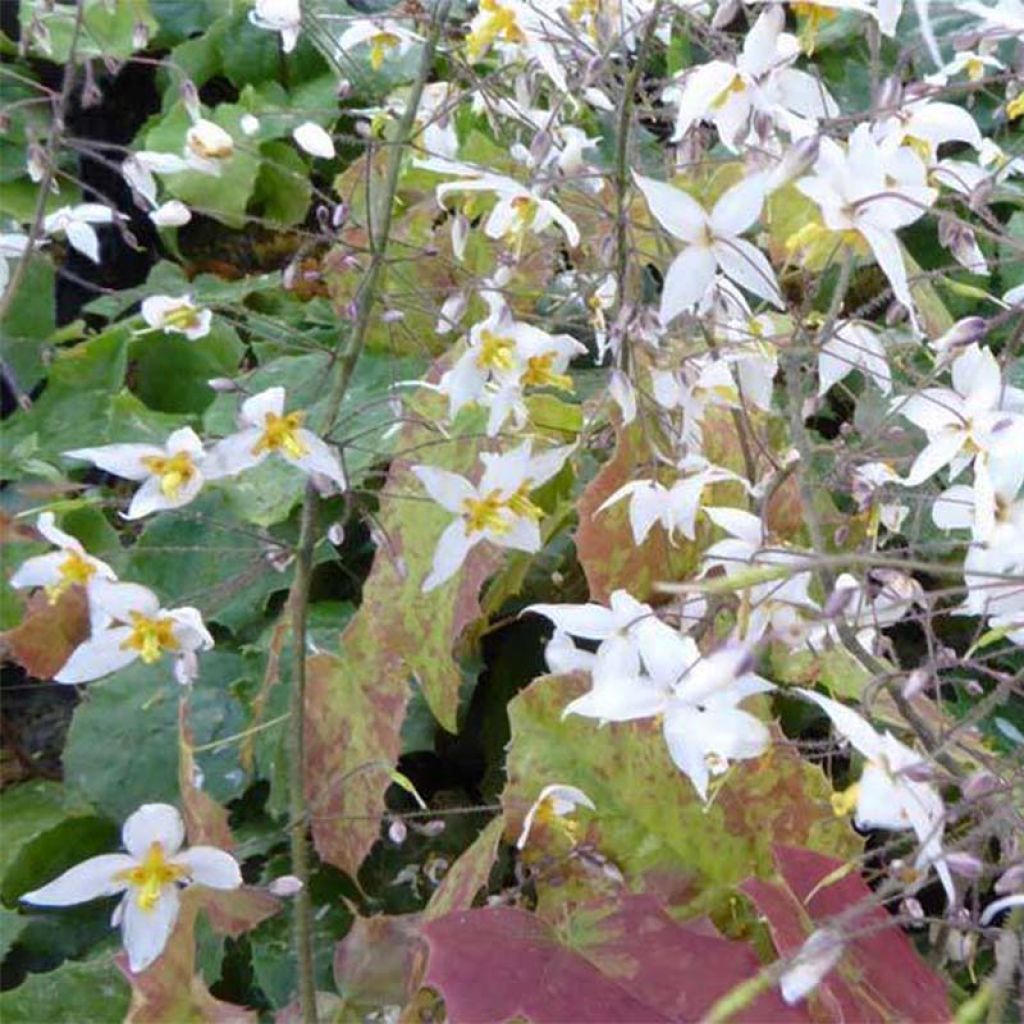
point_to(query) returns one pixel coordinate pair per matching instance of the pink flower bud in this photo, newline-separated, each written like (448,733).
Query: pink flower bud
(285,886)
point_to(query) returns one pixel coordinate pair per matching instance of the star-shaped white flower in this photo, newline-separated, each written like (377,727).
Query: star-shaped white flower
(887,796)
(129,625)
(56,572)
(711,242)
(281,16)
(76,224)
(265,430)
(150,875)
(171,476)
(498,509)
(176,315)
(853,346)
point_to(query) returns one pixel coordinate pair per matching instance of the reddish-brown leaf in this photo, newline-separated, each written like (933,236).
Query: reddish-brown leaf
(625,962)
(48,633)
(380,960)
(356,700)
(880,977)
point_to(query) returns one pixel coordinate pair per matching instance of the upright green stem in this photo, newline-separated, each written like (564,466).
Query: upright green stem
(298,602)
(624,119)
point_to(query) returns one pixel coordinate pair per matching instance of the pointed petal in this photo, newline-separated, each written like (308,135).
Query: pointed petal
(40,571)
(739,207)
(448,489)
(124,460)
(233,455)
(319,458)
(145,932)
(687,280)
(97,657)
(848,722)
(452,549)
(206,865)
(678,213)
(89,880)
(745,264)
(933,457)
(83,237)
(586,621)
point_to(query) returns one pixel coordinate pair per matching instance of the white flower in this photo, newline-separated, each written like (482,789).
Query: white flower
(314,140)
(886,795)
(250,124)
(282,16)
(133,626)
(176,316)
(658,672)
(76,224)
(1003,19)
(62,569)
(711,242)
(498,509)
(171,476)
(172,214)
(675,506)
(926,125)
(554,801)
(815,958)
(503,357)
(384,38)
(12,245)
(518,33)
(977,419)
(150,875)
(631,636)
(518,209)
(207,146)
(266,429)
(871,191)
(956,508)
(759,83)
(853,346)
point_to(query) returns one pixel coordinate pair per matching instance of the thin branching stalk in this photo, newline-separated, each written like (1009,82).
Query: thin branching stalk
(298,602)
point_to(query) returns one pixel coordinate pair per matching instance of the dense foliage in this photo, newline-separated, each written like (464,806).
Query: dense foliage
(512,510)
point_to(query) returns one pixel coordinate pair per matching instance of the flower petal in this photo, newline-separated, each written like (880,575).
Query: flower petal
(745,264)
(739,207)
(319,458)
(124,460)
(145,932)
(687,280)
(449,555)
(89,880)
(153,823)
(97,657)
(678,213)
(448,489)
(586,621)
(207,865)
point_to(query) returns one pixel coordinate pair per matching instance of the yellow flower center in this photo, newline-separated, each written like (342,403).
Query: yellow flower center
(521,505)
(1015,108)
(975,69)
(485,514)
(175,471)
(845,803)
(379,46)
(737,85)
(526,210)
(150,637)
(539,373)
(209,150)
(581,8)
(496,352)
(184,317)
(814,16)
(281,434)
(500,23)
(922,148)
(73,570)
(149,877)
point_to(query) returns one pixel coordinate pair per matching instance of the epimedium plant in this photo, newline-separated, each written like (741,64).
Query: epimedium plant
(522,504)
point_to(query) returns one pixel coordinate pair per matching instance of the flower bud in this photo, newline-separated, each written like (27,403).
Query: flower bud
(1011,880)
(966,865)
(285,886)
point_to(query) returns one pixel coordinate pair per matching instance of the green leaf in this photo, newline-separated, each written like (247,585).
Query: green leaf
(1011,265)
(626,770)
(224,196)
(107,29)
(283,188)
(171,373)
(29,322)
(11,926)
(30,810)
(122,747)
(92,991)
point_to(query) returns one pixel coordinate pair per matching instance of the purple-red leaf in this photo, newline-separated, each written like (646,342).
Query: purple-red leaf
(624,962)
(880,976)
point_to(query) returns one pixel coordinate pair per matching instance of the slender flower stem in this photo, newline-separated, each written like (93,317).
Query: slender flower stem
(298,601)
(53,144)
